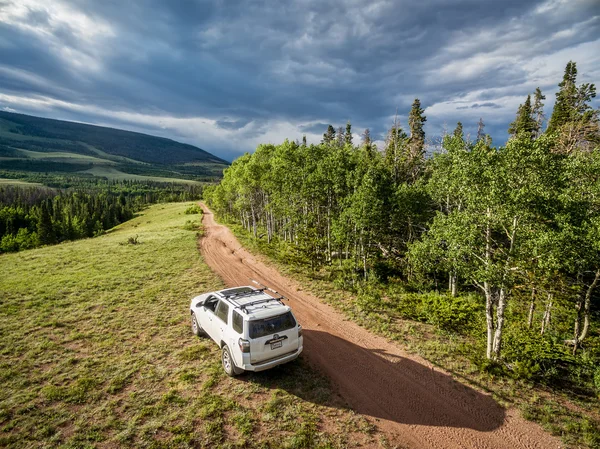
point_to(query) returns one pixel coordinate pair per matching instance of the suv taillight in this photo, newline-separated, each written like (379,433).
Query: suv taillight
(299,331)
(244,345)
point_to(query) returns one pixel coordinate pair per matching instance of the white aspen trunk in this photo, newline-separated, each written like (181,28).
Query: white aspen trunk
(489,298)
(453,283)
(587,306)
(489,315)
(502,301)
(583,312)
(547,314)
(531,309)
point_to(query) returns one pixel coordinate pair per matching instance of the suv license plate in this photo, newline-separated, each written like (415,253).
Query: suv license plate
(276,345)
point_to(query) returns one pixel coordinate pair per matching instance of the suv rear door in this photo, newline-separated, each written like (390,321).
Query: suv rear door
(272,337)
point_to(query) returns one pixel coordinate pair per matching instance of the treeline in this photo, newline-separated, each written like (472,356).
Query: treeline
(30,217)
(514,222)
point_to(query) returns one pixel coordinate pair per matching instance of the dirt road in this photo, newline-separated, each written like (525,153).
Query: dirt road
(415,405)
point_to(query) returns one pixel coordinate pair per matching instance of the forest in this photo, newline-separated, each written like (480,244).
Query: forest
(501,243)
(35,216)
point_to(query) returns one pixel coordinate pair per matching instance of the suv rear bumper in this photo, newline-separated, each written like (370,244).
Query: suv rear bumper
(261,366)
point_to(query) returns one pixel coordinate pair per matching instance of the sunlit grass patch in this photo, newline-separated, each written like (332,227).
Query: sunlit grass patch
(96,351)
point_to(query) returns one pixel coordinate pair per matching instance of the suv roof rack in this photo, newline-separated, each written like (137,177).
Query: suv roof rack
(244,292)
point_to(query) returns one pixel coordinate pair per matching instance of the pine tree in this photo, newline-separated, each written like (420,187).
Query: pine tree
(538,111)
(304,140)
(416,123)
(348,135)
(416,143)
(45,229)
(576,122)
(566,97)
(458,131)
(524,125)
(329,136)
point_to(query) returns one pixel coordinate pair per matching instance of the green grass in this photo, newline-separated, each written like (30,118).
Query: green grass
(64,157)
(18,182)
(112,174)
(96,350)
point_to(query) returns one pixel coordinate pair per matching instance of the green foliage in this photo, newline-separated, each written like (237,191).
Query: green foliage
(525,124)
(193,209)
(530,355)
(456,314)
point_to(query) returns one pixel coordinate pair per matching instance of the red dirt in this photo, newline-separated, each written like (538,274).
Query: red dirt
(414,405)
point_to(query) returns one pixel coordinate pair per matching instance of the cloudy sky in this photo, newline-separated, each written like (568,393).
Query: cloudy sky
(227,75)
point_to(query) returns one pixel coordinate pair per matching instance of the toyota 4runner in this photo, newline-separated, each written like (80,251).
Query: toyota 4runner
(254,330)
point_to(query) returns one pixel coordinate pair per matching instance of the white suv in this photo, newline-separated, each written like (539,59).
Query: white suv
(254,330)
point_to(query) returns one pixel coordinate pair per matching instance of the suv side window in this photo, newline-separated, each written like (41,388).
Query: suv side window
(222,311)
(238,322)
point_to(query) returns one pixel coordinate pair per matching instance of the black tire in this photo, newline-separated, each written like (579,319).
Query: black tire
(228,363)
(196,328)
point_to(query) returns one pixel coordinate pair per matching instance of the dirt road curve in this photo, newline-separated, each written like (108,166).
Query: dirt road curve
(416,406)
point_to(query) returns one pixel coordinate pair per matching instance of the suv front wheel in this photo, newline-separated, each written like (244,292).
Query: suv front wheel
(196,328)
(228,364)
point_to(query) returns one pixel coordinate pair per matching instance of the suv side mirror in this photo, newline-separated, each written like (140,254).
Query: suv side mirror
(199,304)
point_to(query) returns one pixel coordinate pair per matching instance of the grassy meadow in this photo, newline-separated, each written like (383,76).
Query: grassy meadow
(96,351)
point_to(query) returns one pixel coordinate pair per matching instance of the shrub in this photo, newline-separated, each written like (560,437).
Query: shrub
(530,355)
(193,209)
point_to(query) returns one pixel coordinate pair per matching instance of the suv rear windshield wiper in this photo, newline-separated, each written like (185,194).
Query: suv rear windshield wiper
(270,326)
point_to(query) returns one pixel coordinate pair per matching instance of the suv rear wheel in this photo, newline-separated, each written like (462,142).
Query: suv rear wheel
(228,363)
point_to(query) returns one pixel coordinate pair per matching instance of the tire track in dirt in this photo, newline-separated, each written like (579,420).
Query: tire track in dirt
(415,405)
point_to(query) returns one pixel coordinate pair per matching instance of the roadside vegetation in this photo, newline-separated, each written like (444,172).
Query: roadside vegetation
(96,350)
(485,260)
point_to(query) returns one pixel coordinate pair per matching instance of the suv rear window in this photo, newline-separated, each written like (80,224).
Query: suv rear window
(238,322)
(269,326)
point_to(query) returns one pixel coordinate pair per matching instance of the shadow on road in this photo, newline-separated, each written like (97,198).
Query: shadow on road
(381,385)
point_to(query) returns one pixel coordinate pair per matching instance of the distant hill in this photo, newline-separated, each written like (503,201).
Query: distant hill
(35,144)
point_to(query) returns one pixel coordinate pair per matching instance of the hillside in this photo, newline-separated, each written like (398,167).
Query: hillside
(35,144)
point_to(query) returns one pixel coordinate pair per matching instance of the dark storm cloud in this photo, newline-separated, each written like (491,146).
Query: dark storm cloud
(245,69)
(314,128)
(486,105)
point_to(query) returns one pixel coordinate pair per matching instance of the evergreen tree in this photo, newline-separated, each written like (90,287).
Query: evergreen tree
(566,97)
(304,140)
(576,122)
(458,131)
(524,125)
(416,123)
(329,136)
(348,135)
(45,230)
(416,144)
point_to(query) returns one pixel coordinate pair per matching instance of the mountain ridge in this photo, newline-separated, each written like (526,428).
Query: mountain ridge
(36,144)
